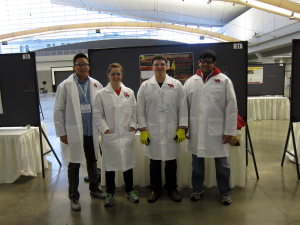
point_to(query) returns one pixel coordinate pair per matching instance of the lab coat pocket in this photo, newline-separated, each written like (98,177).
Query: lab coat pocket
(128,151)
(152,129)
(216,92)
(111,151)
(193,125)
(127,106)
(172,94)
(172,129)
(73,133)
(215,126)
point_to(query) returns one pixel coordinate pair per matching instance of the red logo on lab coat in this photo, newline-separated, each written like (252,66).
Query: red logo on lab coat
(217,80)
(171,85)
(126,95)
(95,85)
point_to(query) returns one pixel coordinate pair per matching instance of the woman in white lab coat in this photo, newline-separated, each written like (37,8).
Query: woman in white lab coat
(115,117)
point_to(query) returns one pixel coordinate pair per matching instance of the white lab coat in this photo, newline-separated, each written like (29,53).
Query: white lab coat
(162,127)
(212,114)
(116,114)
(68,119)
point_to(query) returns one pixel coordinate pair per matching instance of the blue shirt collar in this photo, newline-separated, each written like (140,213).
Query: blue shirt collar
(76,77)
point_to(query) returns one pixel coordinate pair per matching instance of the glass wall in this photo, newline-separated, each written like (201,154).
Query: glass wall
(17,15)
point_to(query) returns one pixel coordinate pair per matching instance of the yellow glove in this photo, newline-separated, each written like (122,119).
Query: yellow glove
(180,135)
(145,138)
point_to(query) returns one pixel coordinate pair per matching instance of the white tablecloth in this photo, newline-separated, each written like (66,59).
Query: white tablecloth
(141,175)
(268,108)
(290,147)
(20,153)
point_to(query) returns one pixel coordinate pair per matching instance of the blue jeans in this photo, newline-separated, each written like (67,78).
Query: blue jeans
(222,174)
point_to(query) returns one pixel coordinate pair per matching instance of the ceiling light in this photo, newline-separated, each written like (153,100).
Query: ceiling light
(295,1)
(281,56)
(256,34)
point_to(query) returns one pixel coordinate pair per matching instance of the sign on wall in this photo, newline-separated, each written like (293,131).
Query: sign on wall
(179,66)
(255,75)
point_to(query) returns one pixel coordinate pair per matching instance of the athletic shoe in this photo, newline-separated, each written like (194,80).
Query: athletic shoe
(226,199)
(75,205)
(132,196)
(195,196)
(109,200)
(98,194)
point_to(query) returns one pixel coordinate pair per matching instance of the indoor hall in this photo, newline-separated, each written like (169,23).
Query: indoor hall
(273,199)
(46,28)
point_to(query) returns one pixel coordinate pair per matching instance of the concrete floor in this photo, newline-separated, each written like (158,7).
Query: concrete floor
(273,199)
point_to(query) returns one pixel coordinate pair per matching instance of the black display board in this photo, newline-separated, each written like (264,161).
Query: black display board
(19,90)
(273,80)
(231,59)
(60,76)
(295,82)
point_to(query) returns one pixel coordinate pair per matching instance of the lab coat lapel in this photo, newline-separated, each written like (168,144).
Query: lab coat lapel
(110,89)
(75,101)
(93,90)
(210,81)
(123,92)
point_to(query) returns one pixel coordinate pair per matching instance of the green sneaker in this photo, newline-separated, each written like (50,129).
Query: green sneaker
(109,200)
(132,196)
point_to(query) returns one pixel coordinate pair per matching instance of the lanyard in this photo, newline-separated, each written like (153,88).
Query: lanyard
(85,90)
(161,92)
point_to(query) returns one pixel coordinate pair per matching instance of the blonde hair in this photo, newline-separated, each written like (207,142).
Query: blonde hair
(114,65)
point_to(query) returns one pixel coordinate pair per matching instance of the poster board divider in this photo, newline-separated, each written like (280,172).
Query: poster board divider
(250,151)
(295,155)
(293,108)
(41,131)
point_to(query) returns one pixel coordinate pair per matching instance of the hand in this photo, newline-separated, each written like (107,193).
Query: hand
(226,139)
(64,139)
(145,138)
(180,135)
(133,129)
(187,134)
(106,132)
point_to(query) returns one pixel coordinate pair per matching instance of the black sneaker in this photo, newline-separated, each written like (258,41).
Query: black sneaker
(98,194)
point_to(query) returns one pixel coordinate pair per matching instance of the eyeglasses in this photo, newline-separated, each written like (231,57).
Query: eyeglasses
(118,74)
(207,61)
(159,64)
(82,64)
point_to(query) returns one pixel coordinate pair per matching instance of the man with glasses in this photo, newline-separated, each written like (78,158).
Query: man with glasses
(212,123)
(73,122)
(162,119)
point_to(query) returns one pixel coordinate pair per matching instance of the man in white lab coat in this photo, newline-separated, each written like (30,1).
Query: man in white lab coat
(213,121)
(162,116)
(74,125)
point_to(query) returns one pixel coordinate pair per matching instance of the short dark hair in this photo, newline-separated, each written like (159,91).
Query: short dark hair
(208,53)
(160,57)
(79,55)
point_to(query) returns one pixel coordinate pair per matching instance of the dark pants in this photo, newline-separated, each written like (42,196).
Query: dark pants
(110,181)
(73,170)
(170,175)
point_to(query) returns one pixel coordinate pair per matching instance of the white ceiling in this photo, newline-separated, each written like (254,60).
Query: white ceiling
(190,12)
